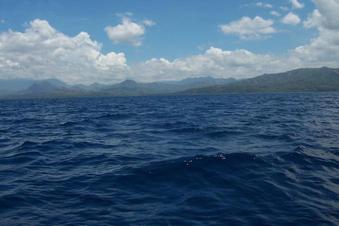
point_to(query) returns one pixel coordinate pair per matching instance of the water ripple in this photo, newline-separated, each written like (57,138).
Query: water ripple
(259,159)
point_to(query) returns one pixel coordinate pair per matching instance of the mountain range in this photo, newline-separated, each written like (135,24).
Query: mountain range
(24,88)
(299,80)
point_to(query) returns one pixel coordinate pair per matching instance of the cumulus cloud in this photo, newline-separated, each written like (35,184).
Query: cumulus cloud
(296,4)
(214,61)
(291,19)
(320,51)
(324,49)
(314,19)
(43,52)
(40,52)
(248,28)
(325,16)
(128,31)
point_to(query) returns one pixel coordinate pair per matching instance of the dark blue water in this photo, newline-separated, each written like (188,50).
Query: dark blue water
(264,159)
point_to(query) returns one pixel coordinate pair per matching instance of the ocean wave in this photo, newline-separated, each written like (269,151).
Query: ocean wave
(225,160)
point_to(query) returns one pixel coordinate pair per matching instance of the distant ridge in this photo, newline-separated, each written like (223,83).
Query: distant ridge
(299,80)
(132,88)
(55,88)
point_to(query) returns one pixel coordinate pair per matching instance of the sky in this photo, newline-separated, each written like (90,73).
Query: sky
(107,41)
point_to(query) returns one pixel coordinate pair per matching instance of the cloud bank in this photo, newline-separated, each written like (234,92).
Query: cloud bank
(41,51)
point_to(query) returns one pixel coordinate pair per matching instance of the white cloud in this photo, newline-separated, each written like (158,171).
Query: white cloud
(214,61)
(275,13)
(217,62)
(320,51)
(324,49)
(325,16)
(128,31)
(314,19)
(264,5)
(291,19)
(248,28)
(296,4)
(2,21)
(42,52)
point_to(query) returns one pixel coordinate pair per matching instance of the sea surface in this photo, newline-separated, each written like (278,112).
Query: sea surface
(250,159)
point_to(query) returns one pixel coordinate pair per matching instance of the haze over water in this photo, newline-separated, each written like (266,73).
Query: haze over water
(249,159)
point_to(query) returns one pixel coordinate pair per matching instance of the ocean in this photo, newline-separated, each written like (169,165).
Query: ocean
(240,159)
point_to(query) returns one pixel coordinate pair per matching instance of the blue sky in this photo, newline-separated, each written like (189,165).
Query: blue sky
(179,30)
(182,27)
